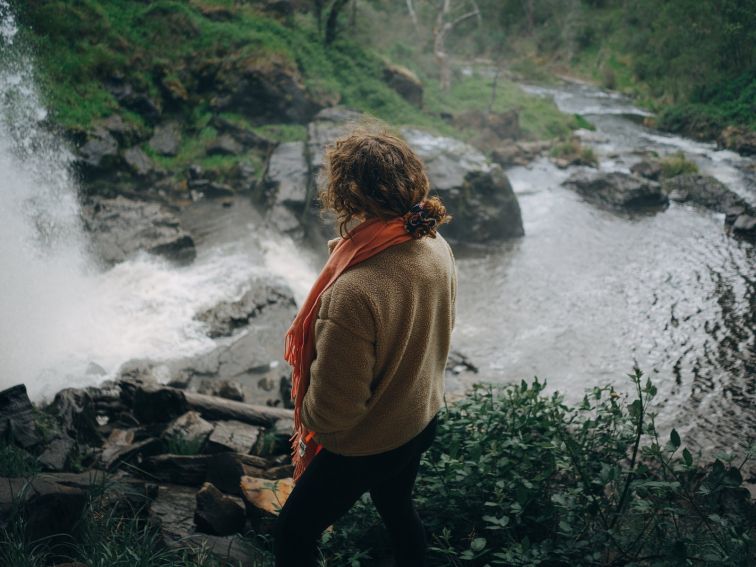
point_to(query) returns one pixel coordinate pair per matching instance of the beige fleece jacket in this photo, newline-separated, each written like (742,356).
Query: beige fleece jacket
(382,337)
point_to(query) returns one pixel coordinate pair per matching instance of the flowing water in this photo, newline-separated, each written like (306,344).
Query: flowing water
(580,299)
(64,321)
(586,294)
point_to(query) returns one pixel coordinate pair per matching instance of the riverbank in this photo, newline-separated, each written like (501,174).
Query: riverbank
(160,485)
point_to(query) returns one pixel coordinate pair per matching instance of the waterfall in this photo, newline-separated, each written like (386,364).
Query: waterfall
(61,314)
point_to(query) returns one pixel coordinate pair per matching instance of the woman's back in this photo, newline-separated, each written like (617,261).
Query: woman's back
(382,336)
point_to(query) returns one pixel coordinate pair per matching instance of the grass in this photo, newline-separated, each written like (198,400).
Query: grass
(573,150)
(80,47)
(15,462)
(677,164)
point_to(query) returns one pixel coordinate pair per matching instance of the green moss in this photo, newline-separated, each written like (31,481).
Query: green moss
(282,132)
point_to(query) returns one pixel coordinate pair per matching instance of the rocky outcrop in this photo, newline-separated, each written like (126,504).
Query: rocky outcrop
(264,88)
(166,139)
(17,423)
(476,192)
(121,227)
(518,153)
(287,183)
(710,193)
(404,82)
(617,190)
(649,168)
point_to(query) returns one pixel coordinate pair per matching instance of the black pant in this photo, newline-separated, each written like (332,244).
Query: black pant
(332,483)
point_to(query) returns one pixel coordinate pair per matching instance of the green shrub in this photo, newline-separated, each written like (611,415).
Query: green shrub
(677,164)
(516,477)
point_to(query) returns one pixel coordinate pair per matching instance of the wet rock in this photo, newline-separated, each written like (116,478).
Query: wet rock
(17,423)
(188,429)
(518,153)
(263,88)
(618,190)
(116,451)
(404,82)
(230,391)
(57,454)
(287,175)
(133,99)
(156,404)
(253,358)
(457,363)
(475,191)
(275,440)
(50,509)
(138,161)
(173,511)
(241,134)
(99,152)
(224,145)
(648,168)
(745,225)
(243,176)
(702,190)
(287,187)
(739,139)
(228,316)
(325,128)
(490,127)
(225,470)
(166,139)
(233,436)
(215,190)
(216,513)
(76,413)
(121,227)
(186,470)
(125,133)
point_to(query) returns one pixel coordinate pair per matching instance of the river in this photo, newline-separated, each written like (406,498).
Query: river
(587,293)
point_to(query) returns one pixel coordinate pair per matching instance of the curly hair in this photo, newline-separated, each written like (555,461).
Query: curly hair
(376,174)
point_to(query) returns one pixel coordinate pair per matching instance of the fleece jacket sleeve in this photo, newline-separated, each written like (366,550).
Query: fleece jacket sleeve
(342,370)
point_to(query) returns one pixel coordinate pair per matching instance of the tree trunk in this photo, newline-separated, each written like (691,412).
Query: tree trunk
(333,19)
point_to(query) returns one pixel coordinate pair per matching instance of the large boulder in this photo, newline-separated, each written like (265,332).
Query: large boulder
(264,87)
(404,82)
(287,187)
(702,190)
(253,358)
(217,513)
(50,509)
(121,227)
(618,190)
(710,193)
(166,139)
(17,423)
(476,192)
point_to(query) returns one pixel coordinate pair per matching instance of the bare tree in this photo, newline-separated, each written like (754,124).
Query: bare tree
(445,23)
(412,13)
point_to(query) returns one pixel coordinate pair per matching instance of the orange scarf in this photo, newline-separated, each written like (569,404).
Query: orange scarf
(366,239)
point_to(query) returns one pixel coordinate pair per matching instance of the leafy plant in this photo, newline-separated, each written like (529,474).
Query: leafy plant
(517,477)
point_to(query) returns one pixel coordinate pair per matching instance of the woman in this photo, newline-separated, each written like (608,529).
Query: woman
(368,350)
